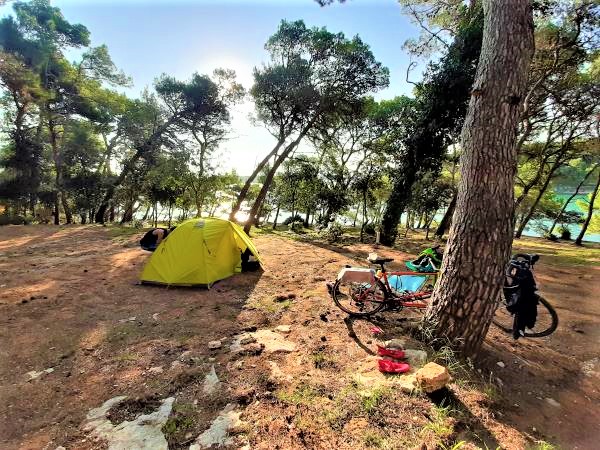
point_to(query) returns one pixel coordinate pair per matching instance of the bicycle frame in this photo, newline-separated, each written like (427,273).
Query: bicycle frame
(412,299)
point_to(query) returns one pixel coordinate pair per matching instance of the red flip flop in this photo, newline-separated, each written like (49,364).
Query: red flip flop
(388,366)
(392,353)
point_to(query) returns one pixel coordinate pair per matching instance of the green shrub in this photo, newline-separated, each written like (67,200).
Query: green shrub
(295,218)
(297,225)
(10,219)
(565,233)
(370,229)
(333,232)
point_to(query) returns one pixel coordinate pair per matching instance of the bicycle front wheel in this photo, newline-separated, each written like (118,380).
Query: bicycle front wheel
(545,324)
(359,299)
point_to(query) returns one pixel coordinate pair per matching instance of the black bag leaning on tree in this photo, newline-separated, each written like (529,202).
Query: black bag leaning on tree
(519,294)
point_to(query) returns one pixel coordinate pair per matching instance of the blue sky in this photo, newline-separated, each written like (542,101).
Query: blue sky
(179,37)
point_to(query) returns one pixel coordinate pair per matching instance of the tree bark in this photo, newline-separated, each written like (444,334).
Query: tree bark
(447,219)
(590,213)
(564,206)
(464,298)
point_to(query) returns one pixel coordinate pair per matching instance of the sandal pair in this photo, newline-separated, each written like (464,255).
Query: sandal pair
(390,366)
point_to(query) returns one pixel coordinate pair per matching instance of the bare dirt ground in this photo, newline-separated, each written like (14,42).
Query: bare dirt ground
(70,301)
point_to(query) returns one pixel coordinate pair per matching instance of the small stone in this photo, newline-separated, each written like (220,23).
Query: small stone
(155,370)
(155,317)
(252,349)
(247,339)
(285,329)
(176,365)
(33,375)
(552,402)
(186,356)
(501,364)
(129,319)
(407,383)
(213,345)
(323,339)
(432,377)
(239,365)
(250,329)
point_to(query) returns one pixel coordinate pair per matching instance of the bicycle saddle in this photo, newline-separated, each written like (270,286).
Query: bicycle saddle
(373,258)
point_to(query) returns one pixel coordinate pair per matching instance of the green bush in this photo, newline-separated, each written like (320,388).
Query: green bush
(9,219)
(296,225)
(565,233)
(370,229)
(295,218)
(333,232)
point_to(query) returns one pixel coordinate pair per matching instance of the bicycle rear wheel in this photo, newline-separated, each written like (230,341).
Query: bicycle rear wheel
(359,299)
(545,324)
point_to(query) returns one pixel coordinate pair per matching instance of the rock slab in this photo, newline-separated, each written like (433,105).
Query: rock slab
(218,433)
(143,433)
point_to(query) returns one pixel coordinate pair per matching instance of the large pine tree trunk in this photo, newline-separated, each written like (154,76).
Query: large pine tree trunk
(590,213)
(464,299)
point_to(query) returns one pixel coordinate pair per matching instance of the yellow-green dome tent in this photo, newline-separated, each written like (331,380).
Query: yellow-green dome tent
(198,252)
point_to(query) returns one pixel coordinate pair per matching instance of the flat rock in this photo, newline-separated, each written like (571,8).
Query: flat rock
(213,345)
(143,433)
(552,402)
(33,375)
(267,340)
(501,364)
(211,381)
(285,329)
(273,342)
(218,432)
(155,370)
(432,377)
(277,374)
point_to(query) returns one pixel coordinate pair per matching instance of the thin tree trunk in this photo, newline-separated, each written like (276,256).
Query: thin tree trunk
(541,193)
(244,192)
(146,213)
(465,297)
(447,219)
(564,207)
(67,209)
(56,208)
(269,180)
(590,213)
